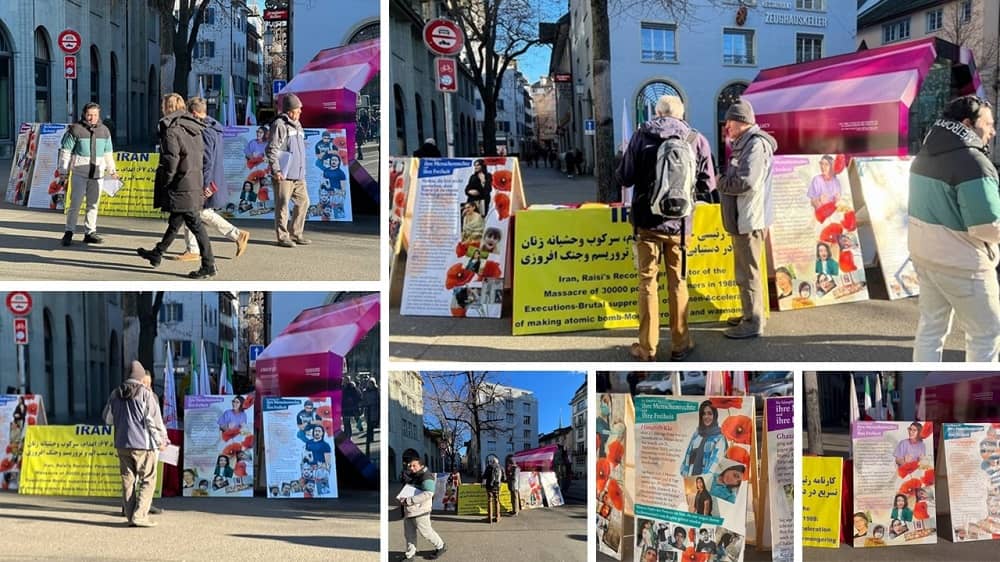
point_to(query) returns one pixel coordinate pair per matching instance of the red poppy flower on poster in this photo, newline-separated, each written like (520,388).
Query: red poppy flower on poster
(461,249)
(905,469)
(31,420)
(399,199)
(824,211)
(910,487)
(230,433)
(738,429)
(399,183)
(54,187)
(920,511)
(615,495)
(457,276)
(325,412)
(256,175)
(831,233)
(502,180)
(328,426)
(722,403)
(616,452)
(927,430)
(495,161)
(740,455)
(340,142)
(458,312)
(502,204)
(248,402)
(343,156)
(690,555)
(491,270)
(232,449)
(248,442)
(691,535)
(33,409)
(254,161)
(603,473)
(840,163)
(5,465)
(8,449)
(850,221)
(928,478)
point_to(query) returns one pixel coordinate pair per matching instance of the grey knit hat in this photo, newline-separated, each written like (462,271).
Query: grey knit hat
(741,111)
(290,102)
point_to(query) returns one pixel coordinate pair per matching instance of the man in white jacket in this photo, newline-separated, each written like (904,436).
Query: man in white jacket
(417,509)
(86,149)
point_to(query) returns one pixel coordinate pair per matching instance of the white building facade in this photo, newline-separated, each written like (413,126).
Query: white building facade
(578,454)
(514,414)
(220,52)
(707,61)
(406,419)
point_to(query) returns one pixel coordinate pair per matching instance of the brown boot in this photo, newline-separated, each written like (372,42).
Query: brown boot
(241,242)
(188,256)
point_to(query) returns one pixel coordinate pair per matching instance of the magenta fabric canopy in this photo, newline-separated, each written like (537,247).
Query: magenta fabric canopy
(541,459)
(307,358)
(858,103)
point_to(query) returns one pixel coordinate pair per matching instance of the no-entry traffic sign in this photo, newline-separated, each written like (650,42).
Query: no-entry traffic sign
(443,37)
(21,331)
(19,302)
(69,67)
(70,41)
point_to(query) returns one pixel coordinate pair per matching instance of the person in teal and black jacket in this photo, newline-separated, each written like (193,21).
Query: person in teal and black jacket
(86,149)
(954,228)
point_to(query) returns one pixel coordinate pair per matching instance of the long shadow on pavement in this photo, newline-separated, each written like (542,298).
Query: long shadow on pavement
(118,523)
(328,541)
(139,266)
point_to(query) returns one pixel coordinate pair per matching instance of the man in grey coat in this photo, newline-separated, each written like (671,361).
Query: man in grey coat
(747,212)
(417,509)
(139,433)
(286,158)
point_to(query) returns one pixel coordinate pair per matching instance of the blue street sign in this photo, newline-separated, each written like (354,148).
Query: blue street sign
(255,351)
(589,127)
(278,85)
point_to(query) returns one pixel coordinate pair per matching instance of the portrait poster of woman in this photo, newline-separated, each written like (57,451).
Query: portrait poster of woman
(615,470)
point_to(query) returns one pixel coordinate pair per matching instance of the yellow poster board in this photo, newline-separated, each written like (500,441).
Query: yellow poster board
(821,485)
(472,499)
(574,269)
(135,198)
(72,460)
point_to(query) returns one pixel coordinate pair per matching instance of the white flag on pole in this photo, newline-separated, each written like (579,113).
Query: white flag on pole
(204,384)
(169,392)
(854,414)
(878,397)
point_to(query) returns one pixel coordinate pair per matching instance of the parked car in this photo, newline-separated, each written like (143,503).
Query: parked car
(692,383)
(772,383)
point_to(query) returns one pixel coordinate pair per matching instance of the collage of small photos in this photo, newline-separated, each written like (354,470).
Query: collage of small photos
(494,280)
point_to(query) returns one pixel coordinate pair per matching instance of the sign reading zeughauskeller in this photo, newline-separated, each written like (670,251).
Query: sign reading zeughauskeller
(795,19)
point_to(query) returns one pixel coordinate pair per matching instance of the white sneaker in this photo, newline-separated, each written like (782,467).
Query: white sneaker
(410,552)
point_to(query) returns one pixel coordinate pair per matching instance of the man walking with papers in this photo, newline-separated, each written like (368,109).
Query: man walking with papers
(416,500)
(86,150)
(286,157)
(139,432)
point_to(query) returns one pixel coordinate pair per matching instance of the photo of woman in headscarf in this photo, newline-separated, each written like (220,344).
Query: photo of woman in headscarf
(706,445)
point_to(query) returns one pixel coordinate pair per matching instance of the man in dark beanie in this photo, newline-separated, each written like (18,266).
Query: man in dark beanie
(747,212)
(139,433)
(286,157)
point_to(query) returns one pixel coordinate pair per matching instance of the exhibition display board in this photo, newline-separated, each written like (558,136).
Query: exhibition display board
(298,447)
(778,483)
(972,454)
(458,253)
(894,483)
(218,446)
(574,269)
(17,412)
(446,491)
(473,499)
(615,423)
(821,484)
(694,462)
(814,239)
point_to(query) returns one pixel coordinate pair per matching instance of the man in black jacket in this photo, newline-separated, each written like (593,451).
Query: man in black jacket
(177,188)
(656,236)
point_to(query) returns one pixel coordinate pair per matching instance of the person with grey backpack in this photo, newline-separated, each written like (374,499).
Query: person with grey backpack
(670,165)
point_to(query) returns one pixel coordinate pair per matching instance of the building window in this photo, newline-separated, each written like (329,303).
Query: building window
(420,119)
(527,434)
(966,11)
(43,77)
(6,89)
(645,102)
(491,445)
(527,420)
(510,419)
(659,42)
(210,16)
(896,31)
(935,20)
(500,104)
(114,90)
(510,447)
(812,5)
(172,312)
(808,47)
(527,406)
(738,46)
(526,446)
(95,75)
(204,49)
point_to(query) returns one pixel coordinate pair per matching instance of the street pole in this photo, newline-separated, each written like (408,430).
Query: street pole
(814,423)
(449,129)
(20,368)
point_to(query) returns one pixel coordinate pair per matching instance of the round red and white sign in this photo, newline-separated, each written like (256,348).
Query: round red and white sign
(19,302)
(443,37)
(70,41)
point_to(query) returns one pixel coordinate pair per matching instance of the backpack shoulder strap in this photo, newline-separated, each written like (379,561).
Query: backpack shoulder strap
(692,136)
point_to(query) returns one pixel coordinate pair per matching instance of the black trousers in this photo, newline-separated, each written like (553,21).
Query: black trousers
(191,219)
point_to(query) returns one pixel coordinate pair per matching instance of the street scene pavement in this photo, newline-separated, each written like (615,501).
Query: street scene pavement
(75,529)
(873,330)
(546,534)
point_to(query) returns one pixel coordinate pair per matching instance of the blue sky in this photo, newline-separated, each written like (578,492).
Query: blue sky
(535,62)
(553,389)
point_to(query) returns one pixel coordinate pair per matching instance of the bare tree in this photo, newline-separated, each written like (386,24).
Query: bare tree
(146,307)
(464,405)
(496,33)
(972,34)
(179,31)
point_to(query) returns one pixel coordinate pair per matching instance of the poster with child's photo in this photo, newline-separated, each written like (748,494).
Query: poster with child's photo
(298,447)
(218,446)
